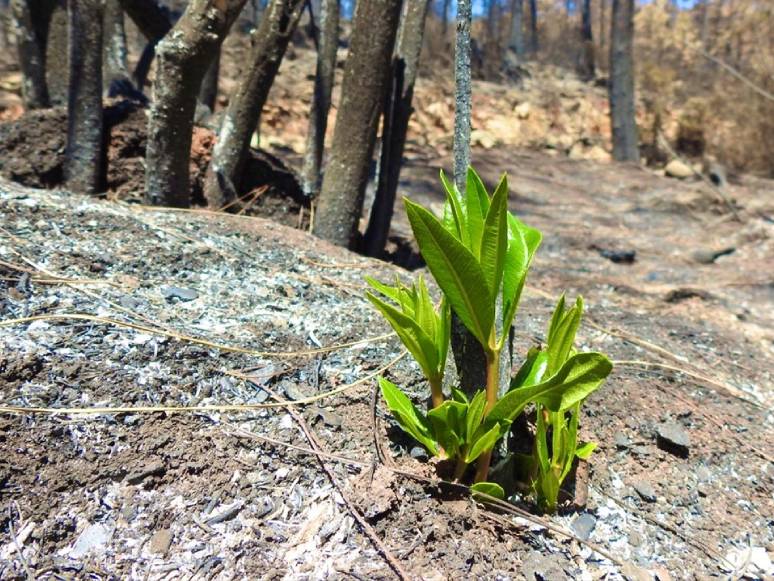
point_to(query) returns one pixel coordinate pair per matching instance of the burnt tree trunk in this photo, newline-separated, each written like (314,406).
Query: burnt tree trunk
(516,37)
(116,70)
(397,113)
(208,92)
(31,21)
(621,90)
(462,94)
(602,33)
(182,60)
(85,151)
(269,43)
(366,77)
(533,29)
(586,57)
(321,100)
(154,22)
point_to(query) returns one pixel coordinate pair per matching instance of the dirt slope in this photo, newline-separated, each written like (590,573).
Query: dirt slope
(157,495)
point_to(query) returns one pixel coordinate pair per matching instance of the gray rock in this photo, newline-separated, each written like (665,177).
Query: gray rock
(621,441)
(176,292)
(539,567)
(419,453)
(584,525)
(672,438)
(645,490)
(709,255)
(93,539)
(161,541)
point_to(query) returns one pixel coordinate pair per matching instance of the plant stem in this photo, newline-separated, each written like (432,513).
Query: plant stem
(459,469)
(436,391)
(492,385)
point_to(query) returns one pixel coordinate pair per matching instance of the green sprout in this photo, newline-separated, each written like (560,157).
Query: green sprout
(479,255)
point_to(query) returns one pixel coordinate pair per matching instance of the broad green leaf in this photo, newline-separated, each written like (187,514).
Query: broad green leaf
(425,311)
(562,335)
(448,422)
(523,242)
(532,370)
(489,488)
(455,270)
(456,210)
(579,376)
(571,441)
(556,318)
(473,183)
(474,218)
(411,334)
(585,450)
(459,396)
(475,415)
(483,444)
(548,490)
(443,337)
(391,292)
(408,417)
(495,239)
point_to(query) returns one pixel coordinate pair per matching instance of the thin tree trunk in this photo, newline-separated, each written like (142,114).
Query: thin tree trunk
(621,91)
(366,77)
(516,38)
(395,125)
(182,60)
(533,29)
(116,70)
(603,24)
(208,92)
(31,21)
(445,18)
(586,60)
(84,154)
(154,22)
(462,94)
(321,100)
(243,115)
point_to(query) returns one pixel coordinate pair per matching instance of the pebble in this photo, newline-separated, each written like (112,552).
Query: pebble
(176,292)
(645,490)
(584,525)
(621,441)
(161,541)
(419,453)
(93,539)
(671,438)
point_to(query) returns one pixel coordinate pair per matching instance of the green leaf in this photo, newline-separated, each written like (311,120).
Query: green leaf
(564,327)
(475,214)
(523,242)
(408,417)
(483,444)
(455,270)
(495,239)
(585,450)
(443,332)
(532,370)
(488,488)
(571,441)
(541,446)
(474,415)
(391,292)
(473,183)
(456,210)
(448,422)
(421,347)
(579,376)
(459,396)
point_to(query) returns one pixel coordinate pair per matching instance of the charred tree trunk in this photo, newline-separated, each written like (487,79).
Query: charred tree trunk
(533,30)
(84,154)
(621,91)
(586,59)
(462,94)
(516,38)
(243,114)
(321,100)
(208,92)
(182,61)
(397,113)
(116,70)
(31,21)
(154,22)
(366,77)
(603,24)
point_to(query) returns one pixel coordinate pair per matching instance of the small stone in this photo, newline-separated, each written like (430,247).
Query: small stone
(584,525)
(678,169)
(621,441)
(703,474)
(539,567)
(709,255)
(129,303)
(419,453)
(645,490)
(176,292)
(671,438)
(522,110)
(152,468)
(93,539)
(161,541)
